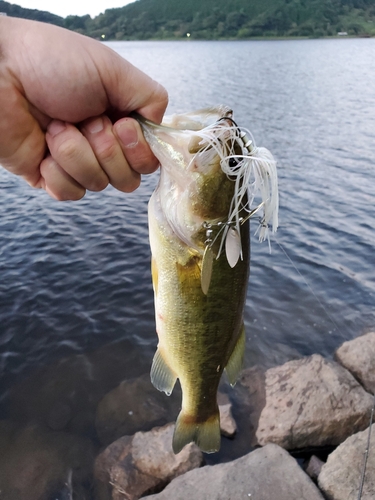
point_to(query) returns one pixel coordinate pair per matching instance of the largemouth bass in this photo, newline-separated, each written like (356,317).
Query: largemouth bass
(199,237)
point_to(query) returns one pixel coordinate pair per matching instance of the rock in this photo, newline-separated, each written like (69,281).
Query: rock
(249,396)
(264,474)
(7,432)
(134,465)
(59,416)
(314,467)
(228,425)
(311,402)
(341,476)
(39,464)
(66,393)
(358,356)
(135,405)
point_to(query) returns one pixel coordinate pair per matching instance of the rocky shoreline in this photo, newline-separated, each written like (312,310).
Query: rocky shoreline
(300,431)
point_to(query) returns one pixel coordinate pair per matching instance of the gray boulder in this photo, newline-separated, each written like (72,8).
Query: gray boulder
(314,466)
(135,465)
(228,425)
(358,356)
(250,394)
(134,405)
(340,477)
(311,402)
(264,474)
(65,394)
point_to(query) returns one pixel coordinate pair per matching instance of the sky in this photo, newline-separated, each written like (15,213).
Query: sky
(65,8)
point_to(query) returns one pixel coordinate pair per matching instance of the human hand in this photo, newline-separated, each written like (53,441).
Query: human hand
(65,101)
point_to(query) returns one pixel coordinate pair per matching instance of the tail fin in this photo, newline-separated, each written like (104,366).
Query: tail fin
(205,434)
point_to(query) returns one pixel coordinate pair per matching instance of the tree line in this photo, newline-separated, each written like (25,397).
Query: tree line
(217,19)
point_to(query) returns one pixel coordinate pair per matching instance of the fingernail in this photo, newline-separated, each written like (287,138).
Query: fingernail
(128,134)
(55,127)
(95,126)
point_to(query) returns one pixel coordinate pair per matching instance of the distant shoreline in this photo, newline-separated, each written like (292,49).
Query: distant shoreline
(252,39)
(219,20)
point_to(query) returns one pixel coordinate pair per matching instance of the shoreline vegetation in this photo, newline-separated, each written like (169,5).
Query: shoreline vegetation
(217,20)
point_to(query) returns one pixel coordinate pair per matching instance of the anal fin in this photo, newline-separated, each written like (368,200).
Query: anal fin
(162,377)
(235,363)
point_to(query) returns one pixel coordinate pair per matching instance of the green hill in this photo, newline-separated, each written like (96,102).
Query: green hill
(35,15)
(219,19)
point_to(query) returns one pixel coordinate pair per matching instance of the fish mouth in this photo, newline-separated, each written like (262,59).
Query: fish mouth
(191,141)
(190,126)
(193,122)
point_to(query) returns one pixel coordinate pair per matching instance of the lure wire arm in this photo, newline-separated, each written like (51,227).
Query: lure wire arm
(209,242)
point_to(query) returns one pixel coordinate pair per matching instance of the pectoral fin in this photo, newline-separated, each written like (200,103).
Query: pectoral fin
(162,377)
(235,363)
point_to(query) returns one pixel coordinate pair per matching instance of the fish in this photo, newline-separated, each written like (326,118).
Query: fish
(199,237)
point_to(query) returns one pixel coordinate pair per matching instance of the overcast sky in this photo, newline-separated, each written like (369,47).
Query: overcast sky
(65,8)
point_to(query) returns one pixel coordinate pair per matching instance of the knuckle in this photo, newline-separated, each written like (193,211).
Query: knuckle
(61,189)
(68,150)
(78,195)
(107,151)
(128,183)
(144,162)
(131,185)
(68,196)
(97,183)
(81,163)
(59,195)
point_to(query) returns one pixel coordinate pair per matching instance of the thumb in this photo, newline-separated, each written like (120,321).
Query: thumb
(129,89)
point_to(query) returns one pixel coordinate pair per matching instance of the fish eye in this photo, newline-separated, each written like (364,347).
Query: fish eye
(233,162)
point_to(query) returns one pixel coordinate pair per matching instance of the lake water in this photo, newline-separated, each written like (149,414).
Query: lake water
(75,277)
